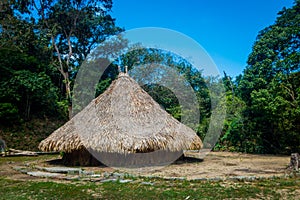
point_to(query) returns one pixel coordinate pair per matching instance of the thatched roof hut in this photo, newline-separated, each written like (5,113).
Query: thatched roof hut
(122,121)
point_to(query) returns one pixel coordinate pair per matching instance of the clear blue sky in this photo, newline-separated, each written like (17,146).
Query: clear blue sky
(226,29)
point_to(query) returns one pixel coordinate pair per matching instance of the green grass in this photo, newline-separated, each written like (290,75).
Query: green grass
(43,190)
(278,188)
(162,189)
(23,159)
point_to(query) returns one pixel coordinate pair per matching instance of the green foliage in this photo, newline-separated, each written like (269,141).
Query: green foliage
(40,54)
(24,57)
(66,30)
(63,108)
(25,90)
(269,86)
(233,137)
(8,112)
(77,25)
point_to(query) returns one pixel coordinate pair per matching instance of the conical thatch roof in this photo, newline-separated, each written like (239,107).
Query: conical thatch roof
(124,119)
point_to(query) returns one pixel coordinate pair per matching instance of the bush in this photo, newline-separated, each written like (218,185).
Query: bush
(8,112)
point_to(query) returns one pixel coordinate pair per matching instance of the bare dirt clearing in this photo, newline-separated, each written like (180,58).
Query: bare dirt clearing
(215,165)
(226,164)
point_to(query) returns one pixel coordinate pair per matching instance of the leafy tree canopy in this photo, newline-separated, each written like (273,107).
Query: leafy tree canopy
(270,85)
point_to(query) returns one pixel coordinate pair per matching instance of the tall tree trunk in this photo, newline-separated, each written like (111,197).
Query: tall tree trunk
(69,96)
(65,74)
(27,108)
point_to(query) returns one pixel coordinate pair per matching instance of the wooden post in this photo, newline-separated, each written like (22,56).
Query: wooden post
(2,147)
(295,161)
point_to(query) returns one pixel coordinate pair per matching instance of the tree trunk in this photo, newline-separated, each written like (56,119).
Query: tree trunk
(65,73)
(68,94)
(70,111)
(27,107)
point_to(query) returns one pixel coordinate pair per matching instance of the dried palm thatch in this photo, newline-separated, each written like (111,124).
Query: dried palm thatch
(123,120)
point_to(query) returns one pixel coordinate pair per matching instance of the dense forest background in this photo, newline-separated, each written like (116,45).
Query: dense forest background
(43,44)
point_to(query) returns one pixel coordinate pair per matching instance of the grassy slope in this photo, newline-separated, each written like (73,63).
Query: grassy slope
(27,135)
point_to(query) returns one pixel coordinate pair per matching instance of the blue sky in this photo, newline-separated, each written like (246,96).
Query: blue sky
(226,29)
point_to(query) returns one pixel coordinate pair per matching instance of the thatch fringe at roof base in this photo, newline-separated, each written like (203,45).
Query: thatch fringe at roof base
(65,139)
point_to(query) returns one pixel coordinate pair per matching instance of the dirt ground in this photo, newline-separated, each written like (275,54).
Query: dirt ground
(227,164)
(214,165)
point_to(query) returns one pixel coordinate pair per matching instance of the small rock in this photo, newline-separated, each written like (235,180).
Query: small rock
(96,175)
(118,175)
(125,181)
(188,197)
(251,178)
(106,174)
(96,179)
(176,178)
(109,180)
(147,183)
(65,170)
(43,174)
(216,179)
(86,173)
(71,178)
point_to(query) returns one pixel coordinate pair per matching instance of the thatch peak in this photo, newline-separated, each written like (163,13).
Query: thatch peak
(123,73)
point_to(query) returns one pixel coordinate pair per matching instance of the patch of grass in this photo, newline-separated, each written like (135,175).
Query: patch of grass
(22,159)
(44,190)
(162,189)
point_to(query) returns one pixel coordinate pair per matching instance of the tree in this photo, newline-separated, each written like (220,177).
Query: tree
(74,28)
(25,87)
(270,85)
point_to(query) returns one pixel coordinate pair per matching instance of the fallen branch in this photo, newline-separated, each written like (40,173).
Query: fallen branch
(15,152)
